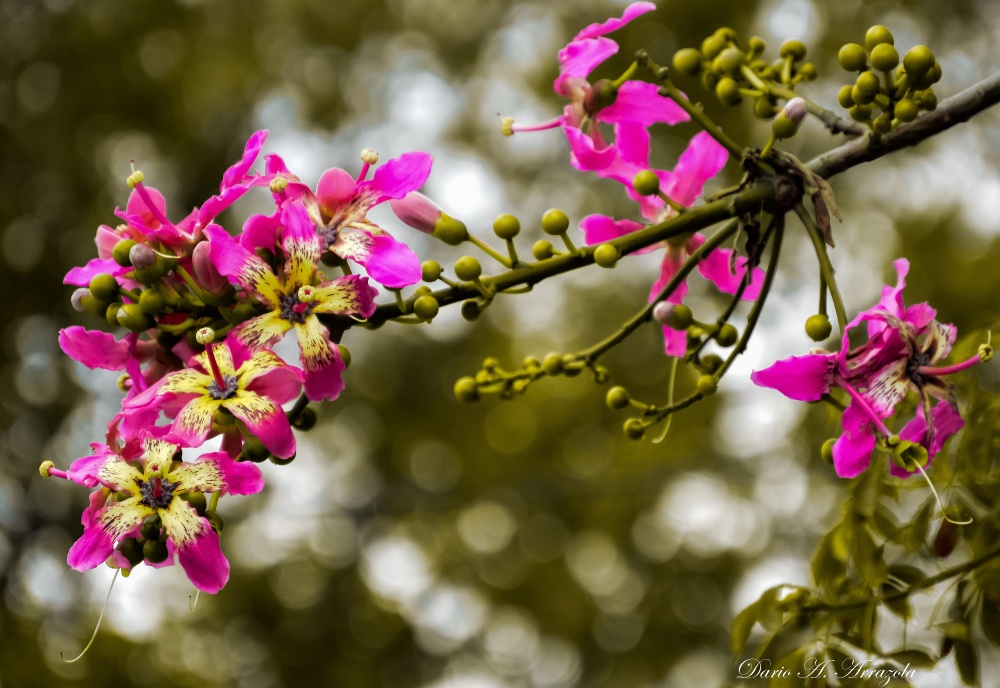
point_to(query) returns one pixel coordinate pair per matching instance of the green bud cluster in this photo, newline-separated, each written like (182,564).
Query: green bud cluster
(493,379)
(733,69)
(887,91)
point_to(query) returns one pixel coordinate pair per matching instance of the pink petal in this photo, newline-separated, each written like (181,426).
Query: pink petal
(281,384)
(93,348)
(578,59)
(803,378)
(335,188)
(398,177)
(84,470)
(702,160)
(586,156)
(237,172)
(946,421)
(93,547)
(268,422)
(391,263)
(81,276)
(204,563)
(636,9)
(641,103)
(238,477)
(852,453)
(261,231)
(325,381)
(600,228)
(716,269)
(674,342)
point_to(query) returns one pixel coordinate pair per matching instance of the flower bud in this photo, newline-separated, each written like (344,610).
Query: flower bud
(426,307)
(417,211)
(793,48)
(141,256)
(506,226)
(468,268)
(121,252)
(786,124)
(205,274)
(76,300)
(466,390)
(818,327)
(555,222)
(676,316)
(852,57)
(646,183)
(617,398)
(688,60)
(542,250)
(104,287)
(606,255)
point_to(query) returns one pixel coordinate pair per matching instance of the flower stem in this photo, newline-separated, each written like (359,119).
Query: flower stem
(490,251)
(825,267)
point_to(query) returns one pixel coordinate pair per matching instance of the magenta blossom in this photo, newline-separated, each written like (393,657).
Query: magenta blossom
(700,162)
(634,102)
(904,346)
(144,489)
(338,211)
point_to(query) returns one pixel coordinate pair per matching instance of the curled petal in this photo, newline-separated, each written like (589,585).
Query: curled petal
(80,277)
(247,269)
(335,188)
(587,156)
(217,472)
(640,102)
(261,231)
(391,263)
(320,360)
(945,422)
(93,348)
(852,452)
(716,269)
(702,160)
(197,547)
(803,378)
(398,177)
(266,420)
(578,59)
(348,295)
(102,527)
(237,173)
(636,9)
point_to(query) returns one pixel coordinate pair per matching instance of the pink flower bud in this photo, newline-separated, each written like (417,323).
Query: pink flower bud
(77,298)
(417,211)
(204,271)
(141,256)
(795,110)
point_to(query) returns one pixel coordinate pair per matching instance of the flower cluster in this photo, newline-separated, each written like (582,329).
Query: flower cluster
(201,312)
(900,356)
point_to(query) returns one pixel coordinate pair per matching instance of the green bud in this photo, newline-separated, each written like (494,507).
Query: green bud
(570,366)
(818,327)
(713,45)
(726,33)
(634,429)
(617,398)
(426,307)
(709,79)
(936,73)
(555,222)
(104,287)
(254,450)
(542,250)
(506,226)
(860,98)
(606,255)
(154,551)
(852,57)
(784,127)
(728,91)
(216,521)
(149,275)
(688,61)
(552,364)
(727,335)
(710,363)
(430,270)
(120,252)
(908,455)
(466,390)
(196,500)
(793,48)
(878,35)
(130,316)
(111,313)
(728,61)
(278,461)
(449,230)
(675,315)
(646,183)
(345,355)
(861,113)
(306,420)
(93,306)
(421,290)
(529,363)
(928,101)
(756,45)
(468,268)
(708,385)
(884,57)
(131,550)
(151,301)
(151,527)
(882,124)
(918,60)
(808,71)
(471,310)
(844,96)
(763,108)
(826,451)
(868,84)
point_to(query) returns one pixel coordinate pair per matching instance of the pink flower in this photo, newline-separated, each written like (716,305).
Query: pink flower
(294,301)
(133,501)
(900,356)
(700,162)
(633,102)
(338,211)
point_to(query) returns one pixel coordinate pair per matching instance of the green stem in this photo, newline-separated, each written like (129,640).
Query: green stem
(490,251)
(628,74)
(298,408)
(832,121)
(825,266)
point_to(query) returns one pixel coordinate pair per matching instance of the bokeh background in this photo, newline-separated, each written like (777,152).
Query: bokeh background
(415,541)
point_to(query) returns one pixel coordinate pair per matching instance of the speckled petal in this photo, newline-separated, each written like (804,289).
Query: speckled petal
(262,332)
(194,421)
(101,530)
(197,547)
(349,295)
(266,420)
(246,268)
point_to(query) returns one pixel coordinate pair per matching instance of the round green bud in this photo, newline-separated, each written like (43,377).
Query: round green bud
(471,310)
(468,268)
(95,307)
(555,222)
(763,108)
(606,255)
(120,252)
(793,48)
(430,270)
(646,183)
(617,398)
(151,301)
(708,384)
(713,45)
(111,313)
(727,335)
(818,327)
(728,61)
(726,33)
(844,96)
(506,226)
(278,461)
(852,57)
(882,124)
(570,368)
(634,429)
(130,316)
(466,390)
(242,312)
(861,113)
(826,451)
(151,527)
(756,45)
(868,84)
(254,450)
(224,418)
(531,363)
(306,420)
(710,363)
(542,250)
(154,551)
(918,60)
(688,61)
(602,375)
(345,355)
(928,101)
(216,522)
(491,364)
(131,550)
(675,315)
(552,364)
(426,307)
(104,287)
(936,73)
(421,290)
(808,71)
(784,127)
(149,275)
(884,57)
(197,500)
(449,230)
(728,91)
(860,98)
(709,79)
(878,35)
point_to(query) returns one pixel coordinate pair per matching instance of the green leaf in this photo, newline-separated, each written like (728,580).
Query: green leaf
(910,575)
(885,523)
(917,659)
(787,670)
(865,496)
(900,606)
(991,620)
(967,661)
(742,625)
(867,556)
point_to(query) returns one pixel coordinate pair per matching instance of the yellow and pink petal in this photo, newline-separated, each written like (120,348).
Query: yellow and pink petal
(197,547)
(266,420)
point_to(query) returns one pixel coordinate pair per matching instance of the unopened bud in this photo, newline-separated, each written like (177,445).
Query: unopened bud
(417,211)
(205,335)
(786,124)
(673,315)
(795,110)
(141,256)
(205,273)
(368,156)
(77,298)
